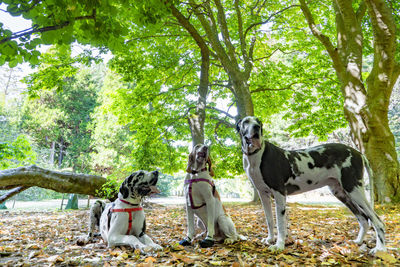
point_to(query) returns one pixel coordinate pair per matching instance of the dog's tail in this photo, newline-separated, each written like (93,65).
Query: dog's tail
(369,183)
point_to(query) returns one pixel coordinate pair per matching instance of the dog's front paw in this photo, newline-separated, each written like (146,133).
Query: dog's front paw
(157,247)
(377,249)
(242,237)
(268,241)
(83,240)
(277,247)
(230,240)
(206,243)
(146,249)
(185,242)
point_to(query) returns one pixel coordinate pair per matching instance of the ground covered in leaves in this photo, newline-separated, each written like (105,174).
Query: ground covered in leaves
(318,235)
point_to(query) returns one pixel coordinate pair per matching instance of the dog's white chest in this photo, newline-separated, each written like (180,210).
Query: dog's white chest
(251,165)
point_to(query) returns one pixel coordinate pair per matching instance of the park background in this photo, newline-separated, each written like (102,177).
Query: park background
(109,87)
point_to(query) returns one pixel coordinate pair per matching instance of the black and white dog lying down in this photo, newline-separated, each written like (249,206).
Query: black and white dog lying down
(277,172)
(123,222)
(202,200)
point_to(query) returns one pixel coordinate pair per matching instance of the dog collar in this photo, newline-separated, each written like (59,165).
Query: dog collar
(254,152)
(202,170)
(126,202)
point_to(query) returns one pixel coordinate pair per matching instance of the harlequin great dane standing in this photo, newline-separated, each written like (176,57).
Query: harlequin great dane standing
(202,200)
(123,222)
(277,172)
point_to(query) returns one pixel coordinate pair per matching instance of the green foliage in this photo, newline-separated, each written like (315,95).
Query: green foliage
(62,22)
(299,80)
(17,153)
(59,116)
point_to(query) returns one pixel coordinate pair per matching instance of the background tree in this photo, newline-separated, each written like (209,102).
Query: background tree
(58,117)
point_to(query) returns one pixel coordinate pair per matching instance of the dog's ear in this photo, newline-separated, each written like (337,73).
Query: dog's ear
(238,125)
(261,125)
(190,162)
(210,169)
(124,190)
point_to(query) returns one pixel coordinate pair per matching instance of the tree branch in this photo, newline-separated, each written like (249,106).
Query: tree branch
(12,193)
(221,111)
(62,182)
(224,30)
(33,30)
(268,19)
(156,36)
(332,51)
(361,10)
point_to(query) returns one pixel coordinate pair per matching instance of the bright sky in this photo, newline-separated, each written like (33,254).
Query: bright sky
(13,23)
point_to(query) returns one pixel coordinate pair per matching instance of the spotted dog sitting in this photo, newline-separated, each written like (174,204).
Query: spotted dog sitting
(122,222)
(277,172)
(202,200)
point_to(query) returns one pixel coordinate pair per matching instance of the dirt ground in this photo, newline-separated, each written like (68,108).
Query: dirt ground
(318,235)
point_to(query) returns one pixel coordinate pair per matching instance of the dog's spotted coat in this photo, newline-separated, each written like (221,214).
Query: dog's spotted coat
(113,218)
(278,172)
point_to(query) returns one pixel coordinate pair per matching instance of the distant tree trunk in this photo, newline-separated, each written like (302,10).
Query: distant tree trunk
(52,153)
(61,153)
(63,182)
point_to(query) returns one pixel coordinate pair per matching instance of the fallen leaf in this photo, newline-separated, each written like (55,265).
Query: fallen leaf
(387,257)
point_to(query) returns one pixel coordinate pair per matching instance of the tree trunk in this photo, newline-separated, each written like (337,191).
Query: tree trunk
(380,148)
(366,109)
(61,153)
(244,102)
(57,181)
(52,153)
(196,121)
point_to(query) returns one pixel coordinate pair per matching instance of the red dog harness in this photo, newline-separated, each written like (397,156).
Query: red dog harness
(129,212)
(190,182)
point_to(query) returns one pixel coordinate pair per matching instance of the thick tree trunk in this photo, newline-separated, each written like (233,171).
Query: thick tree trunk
(244,102)
(366,108)
(57,181)
(371,133)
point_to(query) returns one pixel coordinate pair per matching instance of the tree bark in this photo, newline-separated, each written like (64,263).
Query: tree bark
(366,104)
(52,153)
(196,121)
(380,148)
(12,193)
(57,181)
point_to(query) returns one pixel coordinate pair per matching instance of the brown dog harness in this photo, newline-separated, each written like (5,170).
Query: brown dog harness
(190,182)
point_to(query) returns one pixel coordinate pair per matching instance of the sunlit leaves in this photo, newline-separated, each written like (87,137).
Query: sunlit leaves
(16,153)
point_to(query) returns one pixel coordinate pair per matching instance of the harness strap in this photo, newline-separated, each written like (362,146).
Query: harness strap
(130,215)
(126,202)
(190,182)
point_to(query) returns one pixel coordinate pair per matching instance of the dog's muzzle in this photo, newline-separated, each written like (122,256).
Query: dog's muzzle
(201,154)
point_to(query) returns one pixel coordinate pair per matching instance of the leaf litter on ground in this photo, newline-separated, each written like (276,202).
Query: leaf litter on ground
(317,236)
